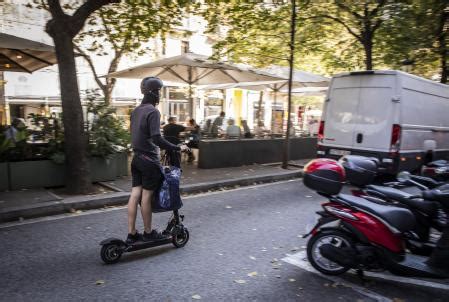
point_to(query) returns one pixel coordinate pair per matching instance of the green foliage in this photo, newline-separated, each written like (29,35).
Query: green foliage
(124,29)
(332,36)
(107,133)
(16,149)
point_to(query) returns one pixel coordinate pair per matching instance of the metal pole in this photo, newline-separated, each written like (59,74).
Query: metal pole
(191,108)
(286,153)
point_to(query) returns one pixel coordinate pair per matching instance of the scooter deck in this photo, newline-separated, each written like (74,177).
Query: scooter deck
(139,245)
(417,266)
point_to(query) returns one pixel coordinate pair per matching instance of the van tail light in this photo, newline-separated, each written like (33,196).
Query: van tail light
(395,138)
(321,132)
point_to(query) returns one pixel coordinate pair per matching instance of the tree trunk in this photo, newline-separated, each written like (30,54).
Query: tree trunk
(442,35)
(259,109)
(75,142)
(368,47)
(286,153)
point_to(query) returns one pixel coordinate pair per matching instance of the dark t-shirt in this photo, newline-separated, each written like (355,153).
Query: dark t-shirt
(171,132)
(145,122)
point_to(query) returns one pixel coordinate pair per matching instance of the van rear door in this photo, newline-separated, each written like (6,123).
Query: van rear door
(341,112)
(375,112)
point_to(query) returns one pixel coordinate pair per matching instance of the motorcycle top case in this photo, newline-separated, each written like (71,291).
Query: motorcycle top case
(168,197)
(360,170)
(324,175)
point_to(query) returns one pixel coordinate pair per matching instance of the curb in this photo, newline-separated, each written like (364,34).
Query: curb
(120,198)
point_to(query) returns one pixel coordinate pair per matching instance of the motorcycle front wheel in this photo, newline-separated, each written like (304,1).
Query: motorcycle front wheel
(318,261)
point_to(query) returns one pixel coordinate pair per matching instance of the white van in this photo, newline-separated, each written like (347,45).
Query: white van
(401,119)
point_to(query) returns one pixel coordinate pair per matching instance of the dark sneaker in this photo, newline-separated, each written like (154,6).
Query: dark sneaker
(153,235)
(133,238)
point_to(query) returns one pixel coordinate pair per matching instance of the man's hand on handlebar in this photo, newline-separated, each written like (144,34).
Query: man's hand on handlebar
(184,148)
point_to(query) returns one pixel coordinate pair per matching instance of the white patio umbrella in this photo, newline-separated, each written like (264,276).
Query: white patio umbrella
(195,69)
(301,79)
(23,55)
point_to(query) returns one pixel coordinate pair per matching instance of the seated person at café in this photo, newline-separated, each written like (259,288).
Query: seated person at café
(172,130)
(246,131)
(194,138)
(207,127)
(232,131)
(259,130)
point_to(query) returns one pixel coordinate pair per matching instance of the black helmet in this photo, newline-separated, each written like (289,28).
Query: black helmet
(150,84)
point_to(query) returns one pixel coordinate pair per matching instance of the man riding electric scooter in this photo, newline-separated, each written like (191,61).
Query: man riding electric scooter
(146,140)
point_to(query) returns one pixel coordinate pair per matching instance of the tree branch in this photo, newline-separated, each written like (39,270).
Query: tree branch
(85,10)
(108,31)
(347,9)
(381,3)
(91,65)
(357,36)
(55,8)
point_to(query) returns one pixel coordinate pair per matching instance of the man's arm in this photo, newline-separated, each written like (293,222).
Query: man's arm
(153,121)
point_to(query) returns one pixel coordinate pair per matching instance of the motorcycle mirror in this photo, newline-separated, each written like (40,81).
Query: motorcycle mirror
(403,176)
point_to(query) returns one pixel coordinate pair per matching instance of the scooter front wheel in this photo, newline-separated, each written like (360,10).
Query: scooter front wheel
(111,253)
(180,238)
(318,261)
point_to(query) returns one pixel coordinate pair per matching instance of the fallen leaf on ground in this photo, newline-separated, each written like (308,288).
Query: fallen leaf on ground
(196,297)
(240,281)
(252,274)
(99,282)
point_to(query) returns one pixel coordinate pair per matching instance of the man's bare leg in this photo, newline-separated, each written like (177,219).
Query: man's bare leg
(145,209)
(136,194)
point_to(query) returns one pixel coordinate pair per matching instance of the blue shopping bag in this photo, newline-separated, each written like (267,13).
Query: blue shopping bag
(168,197)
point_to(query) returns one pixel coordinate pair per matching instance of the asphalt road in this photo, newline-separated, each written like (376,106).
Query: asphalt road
(233,234)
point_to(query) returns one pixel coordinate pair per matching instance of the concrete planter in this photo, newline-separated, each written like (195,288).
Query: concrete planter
(4,177)
(121,160)
(103,169)
(35,174)
(45,173)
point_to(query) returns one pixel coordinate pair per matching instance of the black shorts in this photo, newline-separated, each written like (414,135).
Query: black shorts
(145,173)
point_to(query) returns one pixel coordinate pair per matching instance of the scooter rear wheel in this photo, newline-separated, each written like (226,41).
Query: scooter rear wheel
(110,253)
(318,261)
(180,239)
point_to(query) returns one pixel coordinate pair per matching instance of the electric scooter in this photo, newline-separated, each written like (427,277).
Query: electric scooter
(354,233)
(177,234)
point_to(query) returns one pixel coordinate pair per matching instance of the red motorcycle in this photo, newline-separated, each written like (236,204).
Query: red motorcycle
(361,234)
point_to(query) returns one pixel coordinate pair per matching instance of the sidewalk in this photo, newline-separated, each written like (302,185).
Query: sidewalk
(23,204)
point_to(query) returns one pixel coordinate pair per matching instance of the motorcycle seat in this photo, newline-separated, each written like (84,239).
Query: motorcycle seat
(426,206)
(400,218)
(438,195)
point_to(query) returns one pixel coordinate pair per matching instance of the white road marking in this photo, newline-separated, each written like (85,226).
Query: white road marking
(115,208)
(299,259)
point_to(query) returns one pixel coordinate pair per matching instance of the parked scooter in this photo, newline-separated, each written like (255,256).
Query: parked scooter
(361,171)
(438,170)
(354,233)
